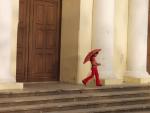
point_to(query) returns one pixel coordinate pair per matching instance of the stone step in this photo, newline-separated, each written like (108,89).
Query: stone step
(140,111)
(137,108)
(94,110)
(24,93)
(18,101)
(113,103)
(118,99)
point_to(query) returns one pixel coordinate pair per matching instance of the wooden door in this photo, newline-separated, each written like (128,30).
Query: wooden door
(22,39)
(44,40)
(42,48)
(148,42)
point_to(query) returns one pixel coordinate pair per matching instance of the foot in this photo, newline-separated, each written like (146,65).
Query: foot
(84,82)
(98,84)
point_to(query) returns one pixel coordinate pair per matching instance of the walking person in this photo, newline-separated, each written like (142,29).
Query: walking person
(94,71)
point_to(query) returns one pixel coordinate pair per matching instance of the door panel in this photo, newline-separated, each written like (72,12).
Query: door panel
(42,55)
(21,41)
(43,41)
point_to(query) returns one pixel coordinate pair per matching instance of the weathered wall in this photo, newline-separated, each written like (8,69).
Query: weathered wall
(85,35)
(75,39)
(69,40)
(15,18)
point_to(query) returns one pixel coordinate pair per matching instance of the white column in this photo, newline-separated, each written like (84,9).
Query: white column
(103,35)
(8,40)
(137,39)
(5,40)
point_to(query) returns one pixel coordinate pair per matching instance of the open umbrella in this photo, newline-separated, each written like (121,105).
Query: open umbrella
(88,56)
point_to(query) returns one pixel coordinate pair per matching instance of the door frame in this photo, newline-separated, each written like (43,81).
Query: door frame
(148,41)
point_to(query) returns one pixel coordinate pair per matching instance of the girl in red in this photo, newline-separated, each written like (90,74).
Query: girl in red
(94,71)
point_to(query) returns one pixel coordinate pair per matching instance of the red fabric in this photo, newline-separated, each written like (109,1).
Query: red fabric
(94,72)
(93,61)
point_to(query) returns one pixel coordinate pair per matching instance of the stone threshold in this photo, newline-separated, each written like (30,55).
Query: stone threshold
(137,80)
(7,86)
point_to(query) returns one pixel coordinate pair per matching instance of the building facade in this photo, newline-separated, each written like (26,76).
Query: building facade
(46,40)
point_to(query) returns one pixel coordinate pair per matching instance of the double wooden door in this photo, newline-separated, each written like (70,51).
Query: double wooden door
(38,40)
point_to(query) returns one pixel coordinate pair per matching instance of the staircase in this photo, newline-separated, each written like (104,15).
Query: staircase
(106,99)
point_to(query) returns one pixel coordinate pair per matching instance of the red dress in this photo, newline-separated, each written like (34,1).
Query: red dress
(94,71)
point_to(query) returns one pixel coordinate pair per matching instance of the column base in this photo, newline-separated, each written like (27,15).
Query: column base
(7,86)
(136,80)
(112,81)
(109,78)
(137,77)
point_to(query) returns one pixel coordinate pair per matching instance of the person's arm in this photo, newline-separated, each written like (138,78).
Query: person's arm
(98,64)
(93,62)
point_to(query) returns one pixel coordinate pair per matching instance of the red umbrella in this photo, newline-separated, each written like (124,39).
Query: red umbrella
(88,56)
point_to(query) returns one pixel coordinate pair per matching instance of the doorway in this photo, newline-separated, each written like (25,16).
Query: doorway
(38,41)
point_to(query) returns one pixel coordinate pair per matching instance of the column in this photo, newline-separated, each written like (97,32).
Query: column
(5,40)
(137,42)
(103,37)
(7,37)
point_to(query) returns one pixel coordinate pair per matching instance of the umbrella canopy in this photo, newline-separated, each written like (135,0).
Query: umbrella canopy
(90,54)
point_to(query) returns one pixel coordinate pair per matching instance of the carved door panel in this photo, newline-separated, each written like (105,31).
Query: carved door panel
(40,52)
(44,40)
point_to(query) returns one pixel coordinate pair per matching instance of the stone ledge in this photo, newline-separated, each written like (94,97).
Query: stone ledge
(112,81)
(107,82)
(137,80)
(6,86)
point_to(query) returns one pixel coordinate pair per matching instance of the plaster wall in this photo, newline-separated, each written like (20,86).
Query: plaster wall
(69,40)
(75,39)
(84,42)
(15,18)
